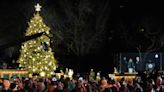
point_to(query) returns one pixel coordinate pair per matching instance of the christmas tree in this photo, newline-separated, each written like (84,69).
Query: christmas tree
(36,56)
(92,75)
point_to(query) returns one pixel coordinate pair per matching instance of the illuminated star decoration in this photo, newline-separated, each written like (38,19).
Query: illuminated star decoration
(37,7)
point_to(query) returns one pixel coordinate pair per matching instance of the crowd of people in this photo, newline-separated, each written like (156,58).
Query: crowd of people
(144,83)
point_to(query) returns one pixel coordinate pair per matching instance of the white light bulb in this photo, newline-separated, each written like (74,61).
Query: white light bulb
(33,59)
(42,74)
(51,73)
(156,55)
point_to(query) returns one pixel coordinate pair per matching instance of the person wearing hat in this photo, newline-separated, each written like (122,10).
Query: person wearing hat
(52,85)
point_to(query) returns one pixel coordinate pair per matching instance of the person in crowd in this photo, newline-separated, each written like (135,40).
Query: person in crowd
(80,86)
(123,85)
(130,85)
(146,83)
(138,88)
(94,86)
(52,85)
(60,87)
(6,86)
(1,83)
(158,82)
(86,84)
(40,85)
(103,85)
(150,86)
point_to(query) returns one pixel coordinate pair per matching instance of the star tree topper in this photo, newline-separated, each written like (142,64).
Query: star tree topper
(37,7)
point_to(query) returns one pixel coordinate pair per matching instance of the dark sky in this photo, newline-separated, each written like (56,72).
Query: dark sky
(14,16)
(123,10)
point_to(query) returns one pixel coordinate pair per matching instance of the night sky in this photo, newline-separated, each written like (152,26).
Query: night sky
(115,26)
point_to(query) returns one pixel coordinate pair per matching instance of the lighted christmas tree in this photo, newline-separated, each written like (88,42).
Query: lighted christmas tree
(36,56)
(92,75)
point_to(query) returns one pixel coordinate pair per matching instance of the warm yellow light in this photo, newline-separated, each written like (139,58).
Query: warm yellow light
(42,74)
(30,75)
(33,55)
(52,73)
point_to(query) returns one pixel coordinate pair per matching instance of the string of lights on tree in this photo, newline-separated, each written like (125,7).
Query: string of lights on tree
(36,56)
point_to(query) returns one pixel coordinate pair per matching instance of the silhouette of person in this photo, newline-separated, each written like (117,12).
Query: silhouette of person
(131,64)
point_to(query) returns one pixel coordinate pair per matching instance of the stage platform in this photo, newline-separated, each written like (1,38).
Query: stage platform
(126,75)
(8,73)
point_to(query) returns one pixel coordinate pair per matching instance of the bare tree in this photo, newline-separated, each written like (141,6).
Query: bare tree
(82,27)
(146,36)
